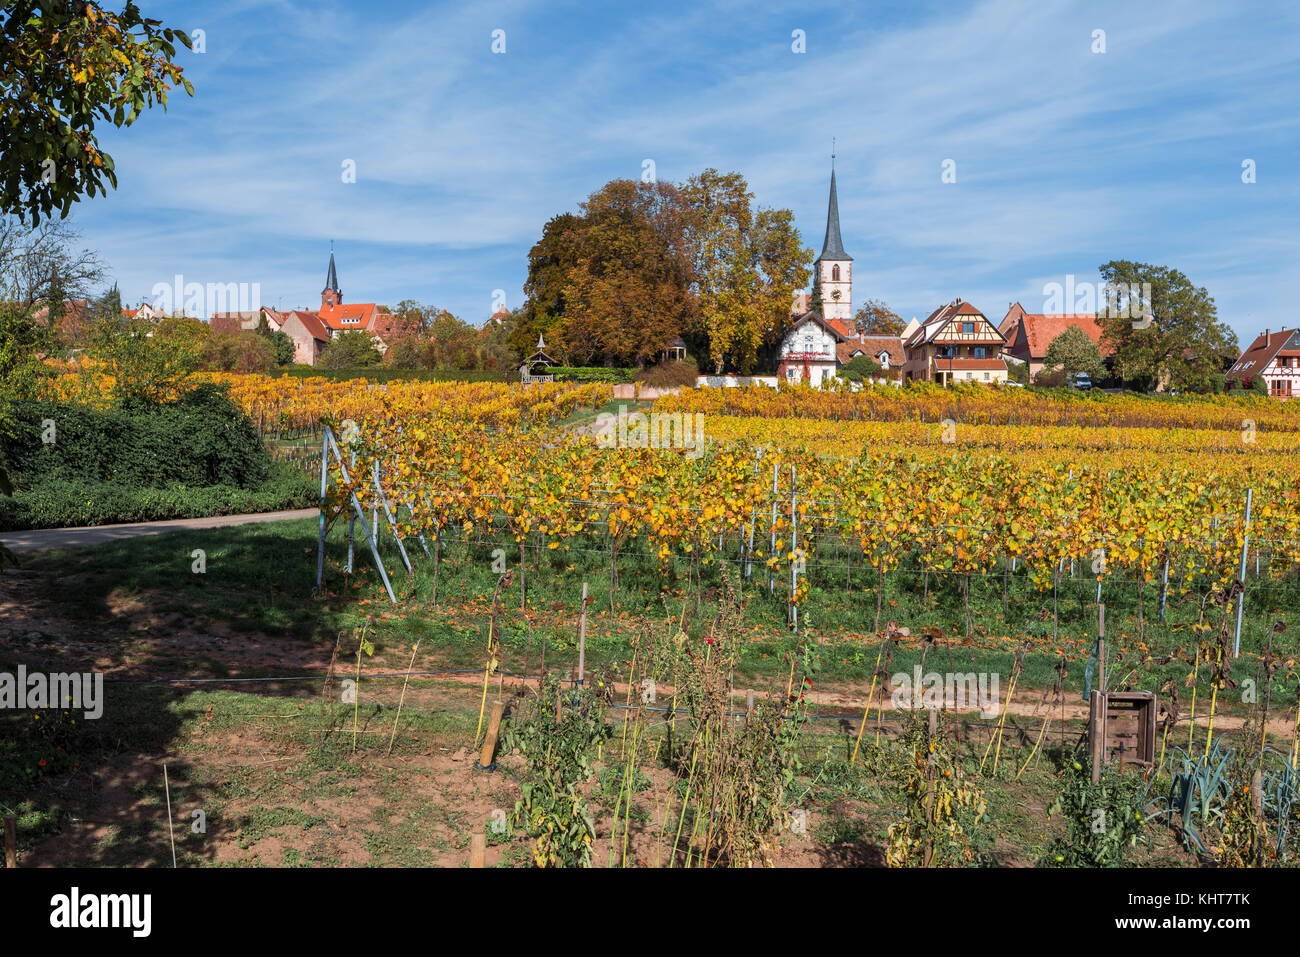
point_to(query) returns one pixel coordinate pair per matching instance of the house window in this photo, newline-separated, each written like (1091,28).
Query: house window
(980,353)
(986,377)
(968,327)
(945,352)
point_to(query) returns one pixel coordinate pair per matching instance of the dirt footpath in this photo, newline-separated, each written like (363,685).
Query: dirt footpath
(44,539)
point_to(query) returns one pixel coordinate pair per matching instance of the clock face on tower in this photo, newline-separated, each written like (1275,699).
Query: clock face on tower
(835,294)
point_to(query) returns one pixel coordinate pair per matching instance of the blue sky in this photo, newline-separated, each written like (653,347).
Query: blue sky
(1064,158)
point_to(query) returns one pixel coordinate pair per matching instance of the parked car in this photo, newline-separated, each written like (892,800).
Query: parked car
(1081,380)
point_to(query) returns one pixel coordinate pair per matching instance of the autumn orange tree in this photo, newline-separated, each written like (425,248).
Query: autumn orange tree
(628,292)
(64,66)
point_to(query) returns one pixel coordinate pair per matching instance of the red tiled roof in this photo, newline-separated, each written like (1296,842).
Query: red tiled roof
(1035,332)
(76,309)
(351,315)
(871,346)
(388,327)
(1264,350)
(312,323)
(845,351)
(842,326)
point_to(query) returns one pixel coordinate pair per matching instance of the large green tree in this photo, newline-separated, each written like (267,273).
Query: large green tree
(1073,352)
(746,265)
(353,349)
(643,263)
(66,65)
(1173,336)
(144,367)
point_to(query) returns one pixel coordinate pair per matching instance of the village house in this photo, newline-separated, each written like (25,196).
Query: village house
(1274,356)
(311,331)
(809,351)
(885,351)
(956,343)
(1028,335)
(148,311)
(310,336)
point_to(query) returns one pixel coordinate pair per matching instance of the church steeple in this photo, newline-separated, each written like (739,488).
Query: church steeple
(834,267)
(331,295)
(833,247)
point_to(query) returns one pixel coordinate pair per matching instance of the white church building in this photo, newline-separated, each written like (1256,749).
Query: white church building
(809,352)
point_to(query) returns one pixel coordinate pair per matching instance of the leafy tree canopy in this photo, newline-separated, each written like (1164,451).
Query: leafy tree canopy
(859,368)
(1074,352)
(643,263)
(1183,342)
(353,349)
(65,66)
(877,319)
(143,367)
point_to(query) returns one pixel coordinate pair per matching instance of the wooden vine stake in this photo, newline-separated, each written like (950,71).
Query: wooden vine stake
(582,638)
(1097,702)
(478,850)
(490,665)
(870,696)
(486,758)
(11,841)
(1096,732)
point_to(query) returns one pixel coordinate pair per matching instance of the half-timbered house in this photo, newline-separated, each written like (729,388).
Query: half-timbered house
(1274,356)
(956,343)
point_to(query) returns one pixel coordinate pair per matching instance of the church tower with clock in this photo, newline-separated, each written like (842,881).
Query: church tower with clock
(834,267)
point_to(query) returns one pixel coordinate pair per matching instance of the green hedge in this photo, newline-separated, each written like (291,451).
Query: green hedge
(195,457)
(383,374)
(590,374)
(78,502)
(203,439)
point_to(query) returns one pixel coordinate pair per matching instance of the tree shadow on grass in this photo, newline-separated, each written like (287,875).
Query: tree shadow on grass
(91,792)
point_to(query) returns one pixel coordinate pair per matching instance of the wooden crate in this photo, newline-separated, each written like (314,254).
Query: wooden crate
(1122,728)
